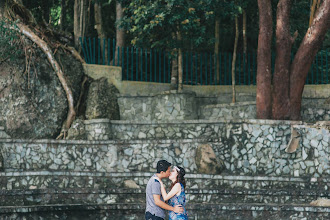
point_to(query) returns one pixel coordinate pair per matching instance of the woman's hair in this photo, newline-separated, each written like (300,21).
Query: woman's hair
(180,177)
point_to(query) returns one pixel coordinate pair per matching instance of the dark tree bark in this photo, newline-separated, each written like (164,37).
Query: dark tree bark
(233,63)
(216,49)
(281,79)
(45,10)
(2,6)
(80,20)
(120,33)
(63,14)
(244,34)
(264,60)
(305,56)
(289,80)
(99,27)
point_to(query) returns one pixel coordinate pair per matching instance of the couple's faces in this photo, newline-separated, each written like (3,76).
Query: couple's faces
(173,174)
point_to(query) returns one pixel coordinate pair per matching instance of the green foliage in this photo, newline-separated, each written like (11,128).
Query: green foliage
(9,41)
(156,24)
(55,14)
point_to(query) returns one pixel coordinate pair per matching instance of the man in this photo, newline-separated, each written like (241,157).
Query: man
(155,204)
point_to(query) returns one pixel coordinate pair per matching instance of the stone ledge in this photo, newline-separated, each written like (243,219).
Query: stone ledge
(95,121)
(203,192)
(141,207)
(104,142)
(230,104)
(188,176)
(233,121)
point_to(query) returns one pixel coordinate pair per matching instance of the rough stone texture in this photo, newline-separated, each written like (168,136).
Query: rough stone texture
(239,110)
(102,100)
(3,134)
(98,129)
(131,184)
(135,108)
(1,163)
(206,160)
(77,130)
(321,202)
(186,106)
(171,106)
(257,147)
(167,106)
(33,103)
(243,195)
(196,211)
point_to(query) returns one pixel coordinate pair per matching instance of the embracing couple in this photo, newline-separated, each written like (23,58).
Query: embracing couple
(156,193)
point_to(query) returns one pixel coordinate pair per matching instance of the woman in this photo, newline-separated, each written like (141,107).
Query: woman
(177,195)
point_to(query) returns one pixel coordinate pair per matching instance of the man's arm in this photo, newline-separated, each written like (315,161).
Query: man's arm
(163,205)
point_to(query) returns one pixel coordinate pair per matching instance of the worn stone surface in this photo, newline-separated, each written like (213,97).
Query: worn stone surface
(131,184)
(167,106)
(98,129)
(239,110)
(33,102)
(26,192)
(249,147)
(171,106)
(321,202)
(102,100)
(136,212)
(77,130)
(206,160)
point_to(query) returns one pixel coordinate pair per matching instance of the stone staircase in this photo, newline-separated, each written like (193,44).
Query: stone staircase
(99,195)
(106,179)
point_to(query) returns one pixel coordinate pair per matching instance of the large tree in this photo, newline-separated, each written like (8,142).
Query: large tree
(13,10)
(282,98)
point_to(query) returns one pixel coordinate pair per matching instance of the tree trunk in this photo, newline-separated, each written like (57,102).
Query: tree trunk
(180,67)
(244,34)
(216,50)
(80,12)
(99,27)
(82,17)
(45,10)
(76,27)
(233,64)
(305,56)
(63,14)
(174,72)
(2,9)
(264,60)
(281,78)
(120,33)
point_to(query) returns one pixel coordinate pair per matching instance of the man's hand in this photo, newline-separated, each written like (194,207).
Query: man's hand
(178,209)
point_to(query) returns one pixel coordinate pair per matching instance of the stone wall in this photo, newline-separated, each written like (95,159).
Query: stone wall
(245,147)
(174,106)
(240,110)
(166,106)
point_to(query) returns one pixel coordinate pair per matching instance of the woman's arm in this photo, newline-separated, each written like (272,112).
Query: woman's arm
(166,196)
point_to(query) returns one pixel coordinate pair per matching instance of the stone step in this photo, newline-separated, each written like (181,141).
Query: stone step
(125,195)
(195,211)
(103,180)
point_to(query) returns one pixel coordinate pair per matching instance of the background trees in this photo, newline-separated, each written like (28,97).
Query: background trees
(283,101)
(206,26)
